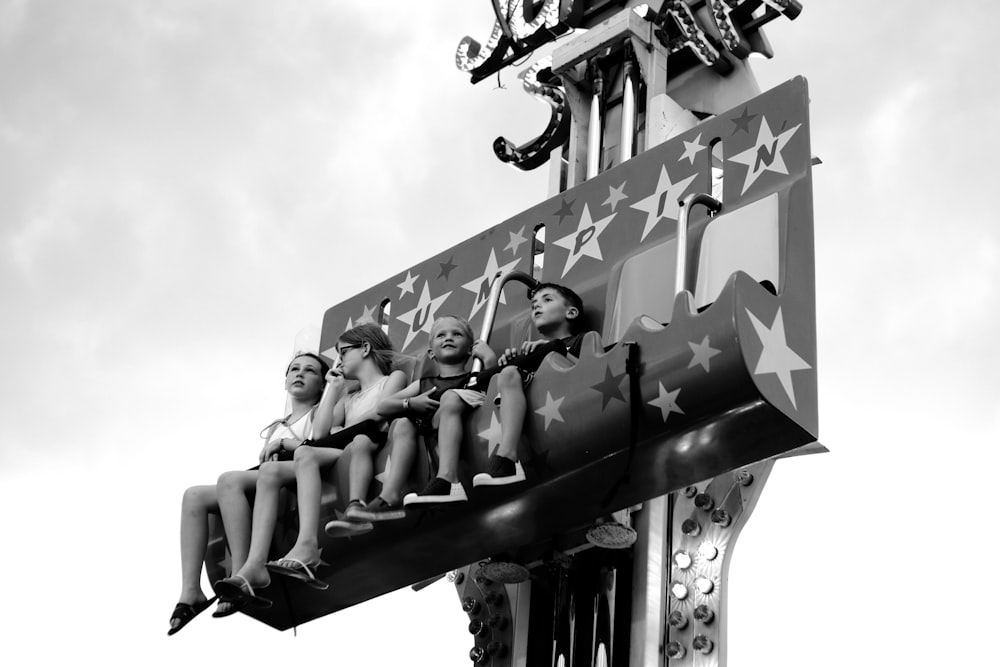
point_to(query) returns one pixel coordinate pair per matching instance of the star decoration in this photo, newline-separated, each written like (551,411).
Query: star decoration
(367,315)
(702,353)
(551,410)
(480,286)
(406,287)
(492,434)
(691,149)
(584,241)
(609,388)
(447,268)
(422,317)
(666,402)
(777,357)
(515,241)
(565,211)
(742,122)
(615,195)
(765,154)
(383,476)
(663,202)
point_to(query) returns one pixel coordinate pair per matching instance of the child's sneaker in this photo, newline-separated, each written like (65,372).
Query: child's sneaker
(378,510)
(501,471)
(354,510)
(345,528)
(436,492)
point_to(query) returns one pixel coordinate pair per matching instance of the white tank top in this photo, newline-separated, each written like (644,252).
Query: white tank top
(360,402)
(300,429)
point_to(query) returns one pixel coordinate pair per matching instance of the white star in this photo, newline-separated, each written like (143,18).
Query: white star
(667,402)
(492,434)
(691,149)
(777,357)
(421,318)
(367,315)
(663,202)
(481,286)
(406,287)
(515,241)
(765,154)
(384,475)
(615,195)
(702,353)
(583,242)
(551,410)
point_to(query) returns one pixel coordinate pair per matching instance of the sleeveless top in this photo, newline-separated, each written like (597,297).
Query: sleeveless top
(360,402)
(442,384)
(300,429)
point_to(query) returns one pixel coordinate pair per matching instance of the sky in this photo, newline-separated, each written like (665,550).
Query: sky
(186,186)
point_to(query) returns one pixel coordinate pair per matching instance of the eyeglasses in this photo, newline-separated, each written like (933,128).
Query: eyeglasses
(344,348)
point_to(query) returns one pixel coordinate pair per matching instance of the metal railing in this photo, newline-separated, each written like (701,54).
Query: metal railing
(698,198)
(494,301)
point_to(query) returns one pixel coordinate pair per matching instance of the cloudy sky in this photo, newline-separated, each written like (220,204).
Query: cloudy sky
(186,186)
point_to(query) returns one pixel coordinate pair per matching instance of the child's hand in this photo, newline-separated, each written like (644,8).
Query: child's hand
(270,451)
(335,375)
(512,353)
(483,352)
(424,404)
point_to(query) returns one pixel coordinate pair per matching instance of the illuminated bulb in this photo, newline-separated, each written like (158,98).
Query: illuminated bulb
(675,651)
(744,477)
(702,644)
(682,560)
(691,528)
(703,501)
(470,605)
(721,518)
(677,620)
(456,577)
(703,614)
(678,590)
(708,551)
(691,491)
(478,628)
(478,655)
(704,585)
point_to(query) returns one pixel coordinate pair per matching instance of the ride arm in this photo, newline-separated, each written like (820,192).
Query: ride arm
(494,301)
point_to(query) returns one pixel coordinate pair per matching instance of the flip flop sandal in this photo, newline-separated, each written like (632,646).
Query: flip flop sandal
(238,590)
(186,612)
(298,570)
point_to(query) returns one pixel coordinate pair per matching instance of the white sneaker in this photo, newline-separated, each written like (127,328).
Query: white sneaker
(486,479)
(344,528)
(436,492)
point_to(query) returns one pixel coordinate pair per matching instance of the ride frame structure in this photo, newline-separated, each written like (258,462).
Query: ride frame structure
(680,209)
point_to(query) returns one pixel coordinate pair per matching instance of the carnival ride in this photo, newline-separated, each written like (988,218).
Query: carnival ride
(645,458)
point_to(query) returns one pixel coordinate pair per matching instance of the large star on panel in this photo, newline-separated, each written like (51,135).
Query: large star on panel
(777,357)
(492,434)
(691,149)
(406,287)
(481,286)
(516,239)
(765,154)
(702,353)
(609,388)
(663,202)
(422,317)
(666,402)
(367,315)
(584,241)
(550,411)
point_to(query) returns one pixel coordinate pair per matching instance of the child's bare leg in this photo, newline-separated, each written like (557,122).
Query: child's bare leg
(362,468)
(271,477)
(198,501)
(512,408)
(234,490)
(404,451)
(309,487)
(450,435)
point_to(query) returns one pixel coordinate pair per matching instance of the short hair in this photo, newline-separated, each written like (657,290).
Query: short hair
(569,296)
(324,367)
(378,341)
(463,324)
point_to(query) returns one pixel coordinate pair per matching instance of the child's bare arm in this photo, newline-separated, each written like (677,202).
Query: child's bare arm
(330,412)
(484,353)
(392,406)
